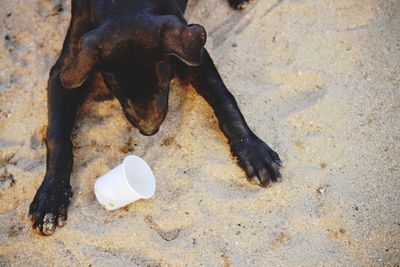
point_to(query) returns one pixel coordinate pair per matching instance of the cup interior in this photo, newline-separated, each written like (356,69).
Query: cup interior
(139,176)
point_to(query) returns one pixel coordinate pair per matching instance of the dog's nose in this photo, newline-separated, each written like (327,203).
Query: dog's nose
(145,127)
(150,131)
(150,126)
(147,116)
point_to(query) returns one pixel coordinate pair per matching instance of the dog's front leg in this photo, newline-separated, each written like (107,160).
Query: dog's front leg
(255,157)
(49,206)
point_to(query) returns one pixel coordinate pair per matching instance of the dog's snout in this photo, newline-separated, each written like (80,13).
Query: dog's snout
(152,130)
(147,117)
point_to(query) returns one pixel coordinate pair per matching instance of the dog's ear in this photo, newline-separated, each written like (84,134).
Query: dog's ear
(78,70)
(185,42)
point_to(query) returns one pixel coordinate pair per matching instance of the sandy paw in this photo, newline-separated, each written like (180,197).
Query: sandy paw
(49,208)
(258,160)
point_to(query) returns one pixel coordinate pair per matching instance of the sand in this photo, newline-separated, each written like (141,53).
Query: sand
(317,80)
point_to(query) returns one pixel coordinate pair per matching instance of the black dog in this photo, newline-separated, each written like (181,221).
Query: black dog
(137,46)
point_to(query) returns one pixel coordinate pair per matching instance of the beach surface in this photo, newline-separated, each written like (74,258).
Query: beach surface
(319,81)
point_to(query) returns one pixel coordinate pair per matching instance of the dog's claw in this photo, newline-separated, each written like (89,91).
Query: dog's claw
(61,221)
(49,225)
(275,158)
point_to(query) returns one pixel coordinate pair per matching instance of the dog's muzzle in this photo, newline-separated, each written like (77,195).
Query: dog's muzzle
(148,116)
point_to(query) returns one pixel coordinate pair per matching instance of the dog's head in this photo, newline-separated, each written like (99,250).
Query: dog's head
(153,39)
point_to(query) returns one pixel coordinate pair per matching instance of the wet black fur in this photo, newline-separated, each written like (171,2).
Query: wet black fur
(137,46)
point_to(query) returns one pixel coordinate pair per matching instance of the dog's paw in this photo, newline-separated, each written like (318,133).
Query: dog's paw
(239,4)
(258,160)
(49,207)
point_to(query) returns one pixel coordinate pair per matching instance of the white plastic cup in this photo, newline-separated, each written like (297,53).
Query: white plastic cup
(130,181)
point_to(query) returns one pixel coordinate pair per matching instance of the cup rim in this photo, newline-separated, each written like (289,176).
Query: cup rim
(124,164)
